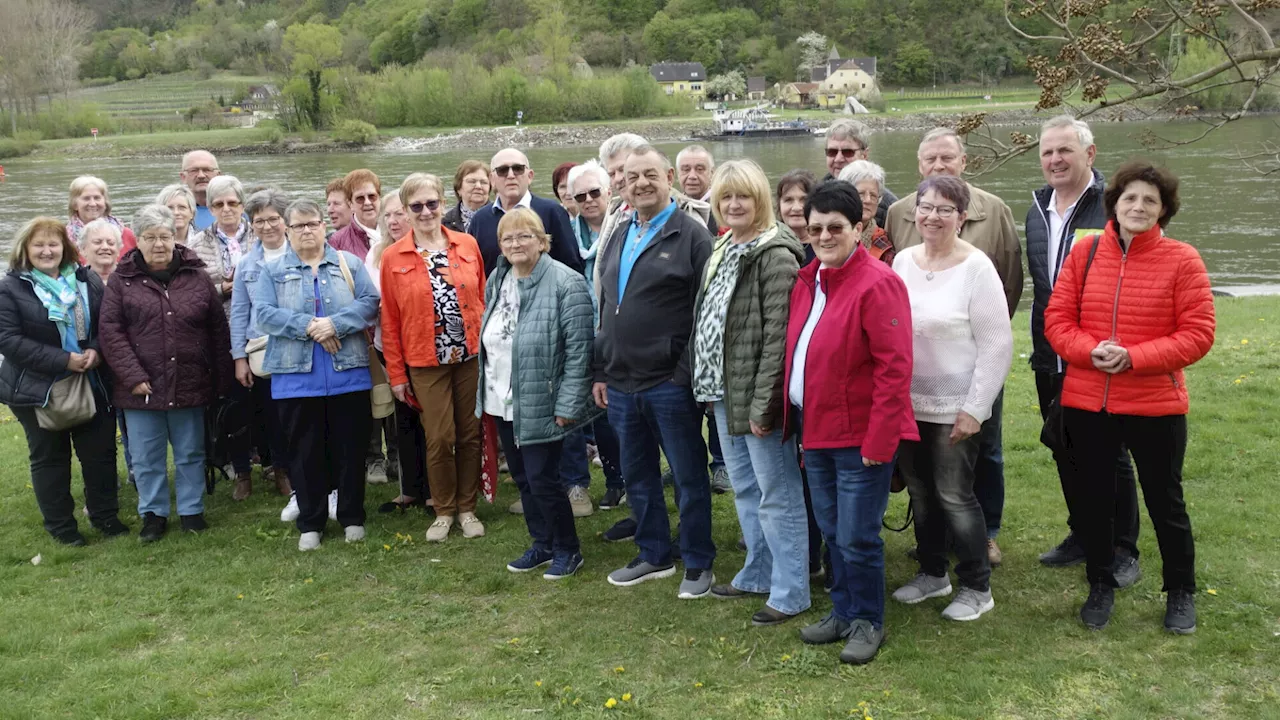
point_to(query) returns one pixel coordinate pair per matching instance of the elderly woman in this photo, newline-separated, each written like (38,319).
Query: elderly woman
(314,304)
(266,211)
(471,187)
(165,338)
(1126,350)
(89,201)
(227,240)
(432,303)
(740,325)
(792,192)
(99,247)
(49,319)
(560,186)
(963,347)
(182,203)
(535,359)
(868,178)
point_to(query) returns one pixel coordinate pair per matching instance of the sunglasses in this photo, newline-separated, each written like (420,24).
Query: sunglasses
(224,204)
(582,197)
(510,170)
(848,153)
(362,199)
(418,207)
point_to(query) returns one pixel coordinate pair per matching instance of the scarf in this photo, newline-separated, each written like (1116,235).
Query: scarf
(588,243)
(61,297)
(230,247)
(467,213)
(165,275)
(75,228)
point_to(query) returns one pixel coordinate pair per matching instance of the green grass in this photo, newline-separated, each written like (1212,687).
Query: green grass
(161,96)
(236,623)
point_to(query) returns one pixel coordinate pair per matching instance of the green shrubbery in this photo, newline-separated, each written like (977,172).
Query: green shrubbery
(25,142)
(356,132)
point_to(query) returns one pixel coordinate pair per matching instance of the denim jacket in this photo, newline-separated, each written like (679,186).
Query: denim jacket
(247,273)
(284,303)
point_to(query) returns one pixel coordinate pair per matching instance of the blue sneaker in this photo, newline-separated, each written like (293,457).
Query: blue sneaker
(564,566)
(532,559)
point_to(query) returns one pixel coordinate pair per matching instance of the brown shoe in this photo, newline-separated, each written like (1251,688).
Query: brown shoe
(243,488)
(994,556)
(282,481)
(767,616)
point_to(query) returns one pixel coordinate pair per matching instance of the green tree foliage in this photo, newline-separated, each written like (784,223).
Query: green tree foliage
(311,49)
(730,83)
(914,63)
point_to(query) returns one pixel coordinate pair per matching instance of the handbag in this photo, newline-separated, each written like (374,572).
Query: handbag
(70,404)
(256,350)
(382,402)
(1053,433)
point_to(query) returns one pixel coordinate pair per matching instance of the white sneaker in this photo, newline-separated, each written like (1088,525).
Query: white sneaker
(290,511)
(922,587)
(471,525)
(580,501)
(309,541)
(333,505)
(376,473)
(355,533)
(969,605)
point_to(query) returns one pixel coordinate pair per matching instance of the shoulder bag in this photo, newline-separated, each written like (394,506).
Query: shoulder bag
(1053,434)
(381,400)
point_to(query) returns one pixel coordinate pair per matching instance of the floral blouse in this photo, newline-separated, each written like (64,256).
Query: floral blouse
(451,335)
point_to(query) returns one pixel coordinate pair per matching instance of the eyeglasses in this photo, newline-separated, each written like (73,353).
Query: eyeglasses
(848,153)
(943,211)
(475,182)
(869,195)
(835,230)
(362,199)
(201,171)
(418,207)
(153,239)
(582,197)
(225,204)
(520,239)
(267,222)
(510,170)
(309,226)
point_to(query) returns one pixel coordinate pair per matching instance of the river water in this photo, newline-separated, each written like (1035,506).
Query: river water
(1229,212)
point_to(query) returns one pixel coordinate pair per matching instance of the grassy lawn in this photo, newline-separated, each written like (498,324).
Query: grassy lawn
(236,623)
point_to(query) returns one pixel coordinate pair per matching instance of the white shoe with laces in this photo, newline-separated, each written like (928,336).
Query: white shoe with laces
(290,511)
(333,506)
(969,604)
(309,541)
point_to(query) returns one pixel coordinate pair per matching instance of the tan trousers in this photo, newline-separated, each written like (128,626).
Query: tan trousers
(448,397)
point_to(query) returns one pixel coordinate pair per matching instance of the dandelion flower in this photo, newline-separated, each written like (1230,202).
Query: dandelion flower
(785,657)
(240,596)
(1211,591)
(626,697)
(308,581)
(619,669)
(386,547)
(1244,341)
(611,703)
(537,683)
(697,684)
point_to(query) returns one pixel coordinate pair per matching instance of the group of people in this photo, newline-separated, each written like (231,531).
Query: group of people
(836,340)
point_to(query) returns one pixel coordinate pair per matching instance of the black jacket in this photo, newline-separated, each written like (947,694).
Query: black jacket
(1089,215)
(564,244)
(30,343)
(453,219)
(887,198)
(643,343)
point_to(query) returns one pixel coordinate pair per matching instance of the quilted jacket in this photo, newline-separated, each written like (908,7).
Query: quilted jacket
(208,248)
(551,352)
(755,329)
(1154,300)
(30,342)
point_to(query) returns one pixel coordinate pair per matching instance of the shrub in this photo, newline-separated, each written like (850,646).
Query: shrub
(357,132)
(25,142)
(269,131)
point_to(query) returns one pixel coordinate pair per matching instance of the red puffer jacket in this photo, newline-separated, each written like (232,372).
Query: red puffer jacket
(1153,300)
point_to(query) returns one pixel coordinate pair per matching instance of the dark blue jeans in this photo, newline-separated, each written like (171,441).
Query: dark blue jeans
(713,443)
(610,453)
(537,472)
(575,470)
(849,501)
(988,481)
(668,414)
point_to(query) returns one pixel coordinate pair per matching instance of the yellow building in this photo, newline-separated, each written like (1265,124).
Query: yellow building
(681,78)
(840,77)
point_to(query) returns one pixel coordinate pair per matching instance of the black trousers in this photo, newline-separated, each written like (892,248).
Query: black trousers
(536,470)
(328,436)
(1048,385)
(267,430)
(407,445)
(50,456)
(1158,445)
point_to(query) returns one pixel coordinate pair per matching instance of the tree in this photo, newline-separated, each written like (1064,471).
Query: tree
(40,43)
(730,83)
(913,63)
(814,48)
(554,36)
(311,48)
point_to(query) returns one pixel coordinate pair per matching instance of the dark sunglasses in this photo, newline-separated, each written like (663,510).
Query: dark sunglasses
(417,208)
(582,197)
(506,170)
(848,153)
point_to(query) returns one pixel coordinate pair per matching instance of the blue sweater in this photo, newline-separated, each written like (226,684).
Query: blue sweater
(564,245)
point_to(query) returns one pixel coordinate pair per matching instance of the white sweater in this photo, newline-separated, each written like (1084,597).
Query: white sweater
(962,340)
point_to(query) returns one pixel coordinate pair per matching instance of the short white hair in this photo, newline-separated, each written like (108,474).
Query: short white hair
(169,191)
(860,170)
(696,149)
(589,167)
(619,143)
(224,185)
(96,225)
(937,134)
(1083,133)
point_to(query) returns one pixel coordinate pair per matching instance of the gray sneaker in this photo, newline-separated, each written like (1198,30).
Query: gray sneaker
(864,643)
(376,473)
(637,571)
(827,630)
(969,604)
(922,587)
(696,584)
(720,482)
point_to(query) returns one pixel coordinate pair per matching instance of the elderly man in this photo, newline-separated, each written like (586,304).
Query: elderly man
(649,273)
(694,166)
(511,177)
(989,227)
(847,141)
(362,193)
(1068,209)
(198,168)
(336,206)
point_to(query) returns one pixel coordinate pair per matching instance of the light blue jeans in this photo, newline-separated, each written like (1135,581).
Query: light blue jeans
(769,494)
(150,434)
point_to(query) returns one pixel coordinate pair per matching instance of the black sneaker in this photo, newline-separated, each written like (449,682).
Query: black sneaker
(1126,570)
(193,523)
(112,527)
(72,538)
(623,530)
(1096,611)
(153,527)
(1068,552)
(613,498)
(1180,612)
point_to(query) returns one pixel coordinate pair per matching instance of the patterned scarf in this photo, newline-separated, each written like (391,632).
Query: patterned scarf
(61,296)
(467,214)
(75,228)
(230,247)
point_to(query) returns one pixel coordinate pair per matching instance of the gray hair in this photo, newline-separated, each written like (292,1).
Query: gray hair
(223,185)
(589,167)
(96,225)
(850,129)
(152,216)
(305,207)
(169,191)
(266,199)
(860,170)
(622,142)
(647,149)
(937,134)
(1083,133)
(693,149)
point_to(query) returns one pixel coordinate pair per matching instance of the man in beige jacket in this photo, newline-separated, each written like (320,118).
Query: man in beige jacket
(989,227)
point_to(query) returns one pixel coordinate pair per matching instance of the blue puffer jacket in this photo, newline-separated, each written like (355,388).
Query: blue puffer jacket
(551,352)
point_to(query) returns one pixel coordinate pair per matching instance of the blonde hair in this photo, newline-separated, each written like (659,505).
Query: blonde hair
(102,224)
(18,258)
(82,183)
(523,218)
(416,183)
(743,177)
(384,233)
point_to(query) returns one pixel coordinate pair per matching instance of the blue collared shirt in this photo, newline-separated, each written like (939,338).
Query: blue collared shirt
(639,235)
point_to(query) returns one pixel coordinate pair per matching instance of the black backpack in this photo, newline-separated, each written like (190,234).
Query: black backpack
(224,423)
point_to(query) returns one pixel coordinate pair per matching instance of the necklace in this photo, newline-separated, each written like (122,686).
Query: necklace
(929,275)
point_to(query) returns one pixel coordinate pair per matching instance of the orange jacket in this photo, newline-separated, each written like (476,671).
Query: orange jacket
(1153,300)
(408,305)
